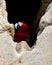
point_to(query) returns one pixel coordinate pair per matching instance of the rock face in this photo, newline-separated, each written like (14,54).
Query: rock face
(8,53)
(46,19)
(3,9)
(41,54)
(12,53)
(50,5)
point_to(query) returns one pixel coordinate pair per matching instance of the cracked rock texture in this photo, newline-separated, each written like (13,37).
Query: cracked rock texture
(12,53)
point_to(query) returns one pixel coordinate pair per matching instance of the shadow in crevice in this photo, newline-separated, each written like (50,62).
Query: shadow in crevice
(24,10)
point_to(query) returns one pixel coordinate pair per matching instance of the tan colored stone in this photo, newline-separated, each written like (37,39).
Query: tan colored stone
(12,53)
(46,19)
(41,54)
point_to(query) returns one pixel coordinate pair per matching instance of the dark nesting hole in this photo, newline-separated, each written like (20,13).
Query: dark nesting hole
(23,10)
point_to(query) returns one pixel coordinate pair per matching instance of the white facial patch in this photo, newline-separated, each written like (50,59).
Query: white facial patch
(16,25)
(19,23)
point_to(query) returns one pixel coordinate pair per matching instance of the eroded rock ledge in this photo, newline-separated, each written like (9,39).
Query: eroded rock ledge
(12,53)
